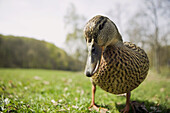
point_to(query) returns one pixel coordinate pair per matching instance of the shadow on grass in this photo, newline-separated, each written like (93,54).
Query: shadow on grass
(150,107)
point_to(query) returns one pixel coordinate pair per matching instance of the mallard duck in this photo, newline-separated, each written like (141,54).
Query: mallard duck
(115,66)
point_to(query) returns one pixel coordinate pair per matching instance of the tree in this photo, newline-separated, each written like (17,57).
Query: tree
(75,41)
(22,52)
(151,26)
(157,14)
(137,31)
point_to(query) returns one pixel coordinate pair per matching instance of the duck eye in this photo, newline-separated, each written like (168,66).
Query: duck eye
(100,27)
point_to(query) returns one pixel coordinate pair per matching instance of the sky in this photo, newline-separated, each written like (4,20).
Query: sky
(44,19)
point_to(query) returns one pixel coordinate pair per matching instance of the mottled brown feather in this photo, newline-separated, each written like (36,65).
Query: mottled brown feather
(122,68)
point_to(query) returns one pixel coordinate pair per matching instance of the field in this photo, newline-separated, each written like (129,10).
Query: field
(35,90)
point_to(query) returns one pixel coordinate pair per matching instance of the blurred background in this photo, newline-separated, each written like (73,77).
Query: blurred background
(49,34)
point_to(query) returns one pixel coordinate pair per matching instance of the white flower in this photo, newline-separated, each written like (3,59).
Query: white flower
(82,92)
(60,100)
(25,88)
(37,78)
(53,101)
(46,82)
(6,101)
(78,91)
(76,99)
(69,80)
(65,89)
(76,107)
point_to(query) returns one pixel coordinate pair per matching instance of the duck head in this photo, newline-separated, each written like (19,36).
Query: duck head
(99,33)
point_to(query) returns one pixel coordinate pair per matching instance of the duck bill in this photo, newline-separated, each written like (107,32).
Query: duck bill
(93,59)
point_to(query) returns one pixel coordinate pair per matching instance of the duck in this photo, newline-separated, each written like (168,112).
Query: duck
(115,66)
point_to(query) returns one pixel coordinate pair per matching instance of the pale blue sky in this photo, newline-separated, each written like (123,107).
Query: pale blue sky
(43,19)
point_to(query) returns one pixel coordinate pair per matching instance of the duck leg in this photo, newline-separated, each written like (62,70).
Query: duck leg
(93,105)
(93,97)
(127,107)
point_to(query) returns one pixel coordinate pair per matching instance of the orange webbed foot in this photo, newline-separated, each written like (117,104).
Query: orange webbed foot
(98,109)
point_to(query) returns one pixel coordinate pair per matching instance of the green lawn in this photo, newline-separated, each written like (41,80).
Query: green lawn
(31,90)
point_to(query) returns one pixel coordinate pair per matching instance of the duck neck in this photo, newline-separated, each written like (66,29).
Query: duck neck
(117,40)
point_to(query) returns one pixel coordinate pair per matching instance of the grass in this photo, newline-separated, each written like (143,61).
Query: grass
(34,90)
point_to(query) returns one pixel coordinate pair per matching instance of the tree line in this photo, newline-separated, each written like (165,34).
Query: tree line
(22,52)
